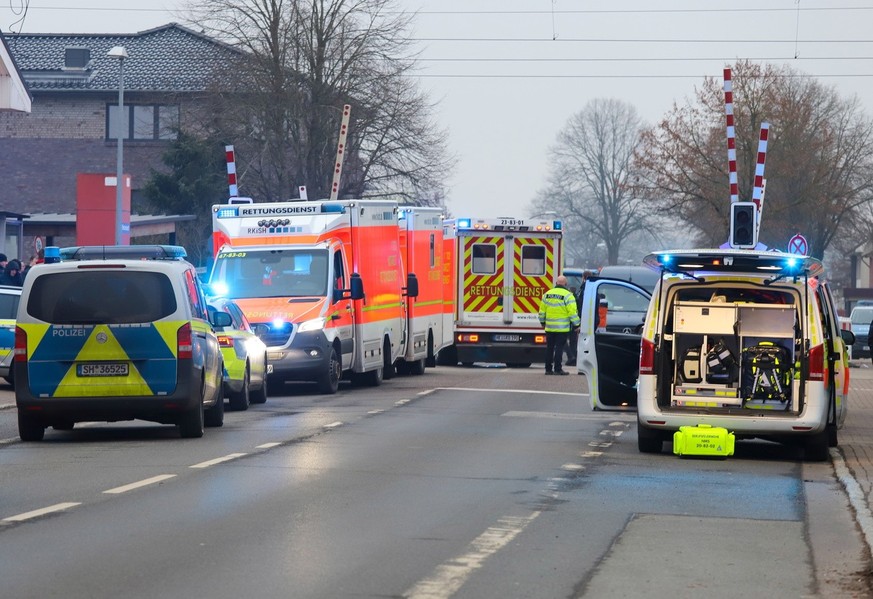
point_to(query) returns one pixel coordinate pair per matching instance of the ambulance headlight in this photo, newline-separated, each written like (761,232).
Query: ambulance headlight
(316,324)
(219,288)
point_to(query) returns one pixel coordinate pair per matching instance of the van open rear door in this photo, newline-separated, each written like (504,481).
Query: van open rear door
(609,341)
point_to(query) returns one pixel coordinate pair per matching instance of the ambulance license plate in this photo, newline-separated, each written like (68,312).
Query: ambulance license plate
(103,369)
(510,338)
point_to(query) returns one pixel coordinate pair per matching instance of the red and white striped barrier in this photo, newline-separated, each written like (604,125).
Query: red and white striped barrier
(758,190)
(731,135)
(231,171)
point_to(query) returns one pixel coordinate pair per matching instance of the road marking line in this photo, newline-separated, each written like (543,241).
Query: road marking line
(511,391)
(268,445)
(58,507)
(428,392)
(573,467)
(451,576)
(143,483)
(333,424)
(401,402)
(373,412)
(8,441)
(227,458)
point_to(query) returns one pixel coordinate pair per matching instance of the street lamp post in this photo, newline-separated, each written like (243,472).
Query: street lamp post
(120,53)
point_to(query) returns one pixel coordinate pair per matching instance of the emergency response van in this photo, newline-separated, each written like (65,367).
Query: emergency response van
(500,269)
(321,282)
(116,339)
(741,339)
(429,324)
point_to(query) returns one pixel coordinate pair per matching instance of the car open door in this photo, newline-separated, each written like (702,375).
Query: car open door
(609,352)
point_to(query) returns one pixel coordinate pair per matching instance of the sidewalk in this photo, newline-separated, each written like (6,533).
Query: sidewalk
(856,446)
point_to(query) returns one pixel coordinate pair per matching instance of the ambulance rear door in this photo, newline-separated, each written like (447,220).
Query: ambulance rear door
(609,352)
(504,276)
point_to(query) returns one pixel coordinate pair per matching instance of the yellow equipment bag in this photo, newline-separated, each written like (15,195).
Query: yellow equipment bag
(703,440)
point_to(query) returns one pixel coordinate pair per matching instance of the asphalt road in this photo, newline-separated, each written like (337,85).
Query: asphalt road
(482,482)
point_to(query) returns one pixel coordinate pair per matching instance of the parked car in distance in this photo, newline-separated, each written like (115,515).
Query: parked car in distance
(245,357)
(639,275)
(860,318)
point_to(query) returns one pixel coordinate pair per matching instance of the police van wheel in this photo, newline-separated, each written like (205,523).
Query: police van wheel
(329,381)
(240,401)
(815,448)
(191,424)
(30,428)
(214,416)
(648,440)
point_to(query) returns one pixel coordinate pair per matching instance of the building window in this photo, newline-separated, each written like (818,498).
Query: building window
(76,58)
(143,121)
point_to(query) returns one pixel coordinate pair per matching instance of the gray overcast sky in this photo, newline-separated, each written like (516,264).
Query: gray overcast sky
(508,74)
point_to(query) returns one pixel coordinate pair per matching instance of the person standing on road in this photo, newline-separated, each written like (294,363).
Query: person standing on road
(558,316)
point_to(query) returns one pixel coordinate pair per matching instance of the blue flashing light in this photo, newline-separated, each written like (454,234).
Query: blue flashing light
(227,213)
(51,254)
(330,208)
(465,223)
(791,263)
(278,323)
(666,259)
(219,288)
(556,225)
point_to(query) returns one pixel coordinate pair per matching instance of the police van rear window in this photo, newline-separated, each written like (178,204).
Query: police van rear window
(101,297)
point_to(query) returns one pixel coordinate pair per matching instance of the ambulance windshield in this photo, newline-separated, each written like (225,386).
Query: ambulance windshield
(270,273)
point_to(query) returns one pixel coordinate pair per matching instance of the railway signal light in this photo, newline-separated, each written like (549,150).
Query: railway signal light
(744,225)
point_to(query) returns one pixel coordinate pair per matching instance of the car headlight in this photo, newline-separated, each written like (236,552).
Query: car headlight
(316,324)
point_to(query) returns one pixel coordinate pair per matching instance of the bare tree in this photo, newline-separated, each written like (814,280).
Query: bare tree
(592,178)
(819,157)
(301,62)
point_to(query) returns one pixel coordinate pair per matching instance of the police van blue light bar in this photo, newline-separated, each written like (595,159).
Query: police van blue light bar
(227,213)
(556,225)
(465,223)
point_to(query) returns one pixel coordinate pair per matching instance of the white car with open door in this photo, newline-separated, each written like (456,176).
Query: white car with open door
(741,339)
(608,353)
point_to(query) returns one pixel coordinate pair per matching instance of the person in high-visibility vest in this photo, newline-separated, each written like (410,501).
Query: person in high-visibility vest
(558,316)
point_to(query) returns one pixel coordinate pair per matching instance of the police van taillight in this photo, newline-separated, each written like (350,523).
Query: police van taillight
(225,341)
(647,357)
(184,343)
(20,351)
(816,363)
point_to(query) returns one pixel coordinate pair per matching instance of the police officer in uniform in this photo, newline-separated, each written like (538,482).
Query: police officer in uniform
(558,316)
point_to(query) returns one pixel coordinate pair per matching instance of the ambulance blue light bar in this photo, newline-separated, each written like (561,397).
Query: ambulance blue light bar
(331,208)
(126,252)
(227,213)
(465,223)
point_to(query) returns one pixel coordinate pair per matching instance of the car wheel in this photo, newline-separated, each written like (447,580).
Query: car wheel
(30,428)
(648,440)
(260,395)
(329,381)
(241,400)
(416,367)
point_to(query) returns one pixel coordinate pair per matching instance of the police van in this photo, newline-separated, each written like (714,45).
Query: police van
(103,338)
(741,339)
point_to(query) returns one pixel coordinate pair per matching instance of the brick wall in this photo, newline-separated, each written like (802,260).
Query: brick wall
(65,134)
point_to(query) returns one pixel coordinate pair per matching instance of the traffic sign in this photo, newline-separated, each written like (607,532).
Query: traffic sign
(798,245)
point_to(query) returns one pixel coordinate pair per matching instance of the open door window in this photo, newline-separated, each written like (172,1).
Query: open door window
(612,315)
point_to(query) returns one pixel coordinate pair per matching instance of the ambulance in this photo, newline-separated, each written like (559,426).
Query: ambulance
(429,315)
(323,284)
(500,269)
